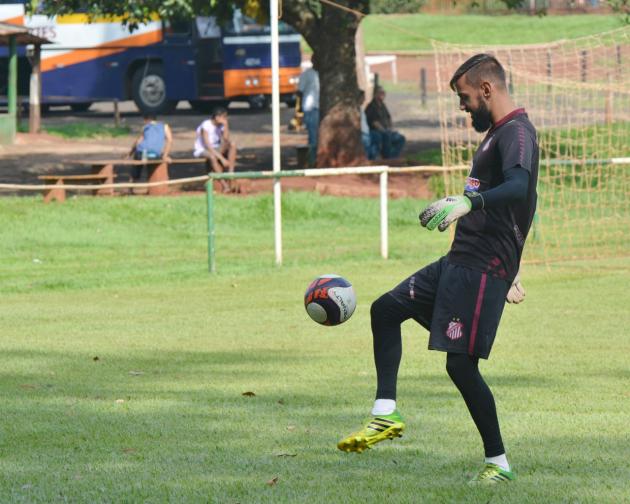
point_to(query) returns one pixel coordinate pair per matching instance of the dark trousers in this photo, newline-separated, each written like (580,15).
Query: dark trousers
(391,143)
(136,171)
(387,315)
(311,120)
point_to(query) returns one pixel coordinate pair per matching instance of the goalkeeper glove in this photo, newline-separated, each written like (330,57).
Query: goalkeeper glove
(445,211)
(516,294)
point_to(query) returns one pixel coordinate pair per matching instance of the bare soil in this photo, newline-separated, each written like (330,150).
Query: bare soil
(34,155)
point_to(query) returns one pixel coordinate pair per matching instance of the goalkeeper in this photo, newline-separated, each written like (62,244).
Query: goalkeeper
(460,298)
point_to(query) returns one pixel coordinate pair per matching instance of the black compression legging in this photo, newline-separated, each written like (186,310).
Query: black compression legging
(387,315)
(464,371)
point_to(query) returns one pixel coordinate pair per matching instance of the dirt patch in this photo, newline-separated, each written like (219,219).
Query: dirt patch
(34,155)
(365,186)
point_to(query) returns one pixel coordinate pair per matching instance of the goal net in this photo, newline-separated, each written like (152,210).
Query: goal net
(577,94)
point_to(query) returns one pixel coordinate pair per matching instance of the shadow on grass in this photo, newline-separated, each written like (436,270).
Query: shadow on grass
(164,424)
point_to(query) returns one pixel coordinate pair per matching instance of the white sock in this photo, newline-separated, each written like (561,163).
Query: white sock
(500,460)
(384,407)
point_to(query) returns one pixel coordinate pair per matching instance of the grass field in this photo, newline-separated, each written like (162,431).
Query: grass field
(413,32)
(124,363)
(82,130)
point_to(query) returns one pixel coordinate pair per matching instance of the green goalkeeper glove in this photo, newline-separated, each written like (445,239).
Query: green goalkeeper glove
(516,294)
(445,211)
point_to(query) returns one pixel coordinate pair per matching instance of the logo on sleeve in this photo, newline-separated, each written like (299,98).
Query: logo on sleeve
(487,144)
(472,184)
(455,329)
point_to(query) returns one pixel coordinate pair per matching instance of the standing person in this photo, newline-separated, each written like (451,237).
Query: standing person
(459,299)
(308,86)
(380,123)
(213,141)
(154,142)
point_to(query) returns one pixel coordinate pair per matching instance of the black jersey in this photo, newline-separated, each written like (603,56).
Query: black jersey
(492,239)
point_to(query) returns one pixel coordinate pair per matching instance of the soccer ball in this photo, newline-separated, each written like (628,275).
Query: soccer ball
(330,300)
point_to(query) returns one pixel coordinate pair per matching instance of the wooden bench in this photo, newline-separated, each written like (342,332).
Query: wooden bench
(59,192)
(157,170)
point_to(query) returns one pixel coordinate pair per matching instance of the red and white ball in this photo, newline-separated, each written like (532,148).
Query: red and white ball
(330,300)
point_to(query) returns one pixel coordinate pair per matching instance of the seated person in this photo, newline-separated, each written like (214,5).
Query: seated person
(380,121)
(214,143)
(153,143)
(371,139)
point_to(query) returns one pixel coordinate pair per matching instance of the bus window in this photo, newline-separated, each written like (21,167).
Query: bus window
(177,26)
(207,27)
(244,25)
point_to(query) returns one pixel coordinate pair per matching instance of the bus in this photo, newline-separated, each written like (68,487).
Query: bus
(157,65)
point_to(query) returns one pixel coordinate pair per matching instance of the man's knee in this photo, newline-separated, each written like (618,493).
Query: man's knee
(460,367)
(387,308)
(209,155)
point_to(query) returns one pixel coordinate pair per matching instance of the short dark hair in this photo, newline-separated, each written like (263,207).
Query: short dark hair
(218,111)
(150,116)
(478,67)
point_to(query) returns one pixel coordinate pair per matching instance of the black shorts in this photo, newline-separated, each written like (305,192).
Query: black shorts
(460,307)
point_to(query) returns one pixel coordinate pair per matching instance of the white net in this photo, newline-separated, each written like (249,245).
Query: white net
(577,94)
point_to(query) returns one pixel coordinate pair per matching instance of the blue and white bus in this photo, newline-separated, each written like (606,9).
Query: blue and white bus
(158,64)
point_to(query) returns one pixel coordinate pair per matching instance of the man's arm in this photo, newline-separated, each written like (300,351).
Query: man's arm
(444,212)
(208,145)
(135,144)
(168,136)
(378,126)
(226,129)
(371,116)
(387,118)
(512,190)
(516,147)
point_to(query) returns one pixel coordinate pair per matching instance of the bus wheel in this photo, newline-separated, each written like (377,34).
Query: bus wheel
(81,107)
(259,102)
(206,107)
(148,89)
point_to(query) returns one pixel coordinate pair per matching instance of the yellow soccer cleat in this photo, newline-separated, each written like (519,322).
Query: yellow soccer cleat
(378,428)
(492,474)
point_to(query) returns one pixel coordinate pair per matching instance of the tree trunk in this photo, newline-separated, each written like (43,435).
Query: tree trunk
(331,35)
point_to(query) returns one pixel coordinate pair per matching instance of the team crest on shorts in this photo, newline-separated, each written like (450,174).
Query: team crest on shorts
(455,329)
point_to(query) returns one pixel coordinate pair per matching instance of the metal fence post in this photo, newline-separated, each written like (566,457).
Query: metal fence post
(423,86)
(212,267)
(384,217)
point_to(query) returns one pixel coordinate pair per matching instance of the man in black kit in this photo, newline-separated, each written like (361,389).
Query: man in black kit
(460,298)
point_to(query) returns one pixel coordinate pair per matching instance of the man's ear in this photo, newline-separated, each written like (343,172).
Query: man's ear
(486,89)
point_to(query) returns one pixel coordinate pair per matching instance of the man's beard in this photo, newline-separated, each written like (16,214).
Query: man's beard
(481,120)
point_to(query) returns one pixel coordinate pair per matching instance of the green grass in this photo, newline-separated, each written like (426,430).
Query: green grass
(411,32)
(599,140)
(431,156)
(87,130)
(124,362)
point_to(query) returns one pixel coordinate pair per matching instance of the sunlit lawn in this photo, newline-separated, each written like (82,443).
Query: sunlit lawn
(124,363)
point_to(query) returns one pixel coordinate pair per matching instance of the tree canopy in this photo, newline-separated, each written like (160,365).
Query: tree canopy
(328,28)
(134,13)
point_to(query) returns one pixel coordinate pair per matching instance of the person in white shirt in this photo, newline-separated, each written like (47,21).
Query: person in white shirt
(308,86)
(213,142)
